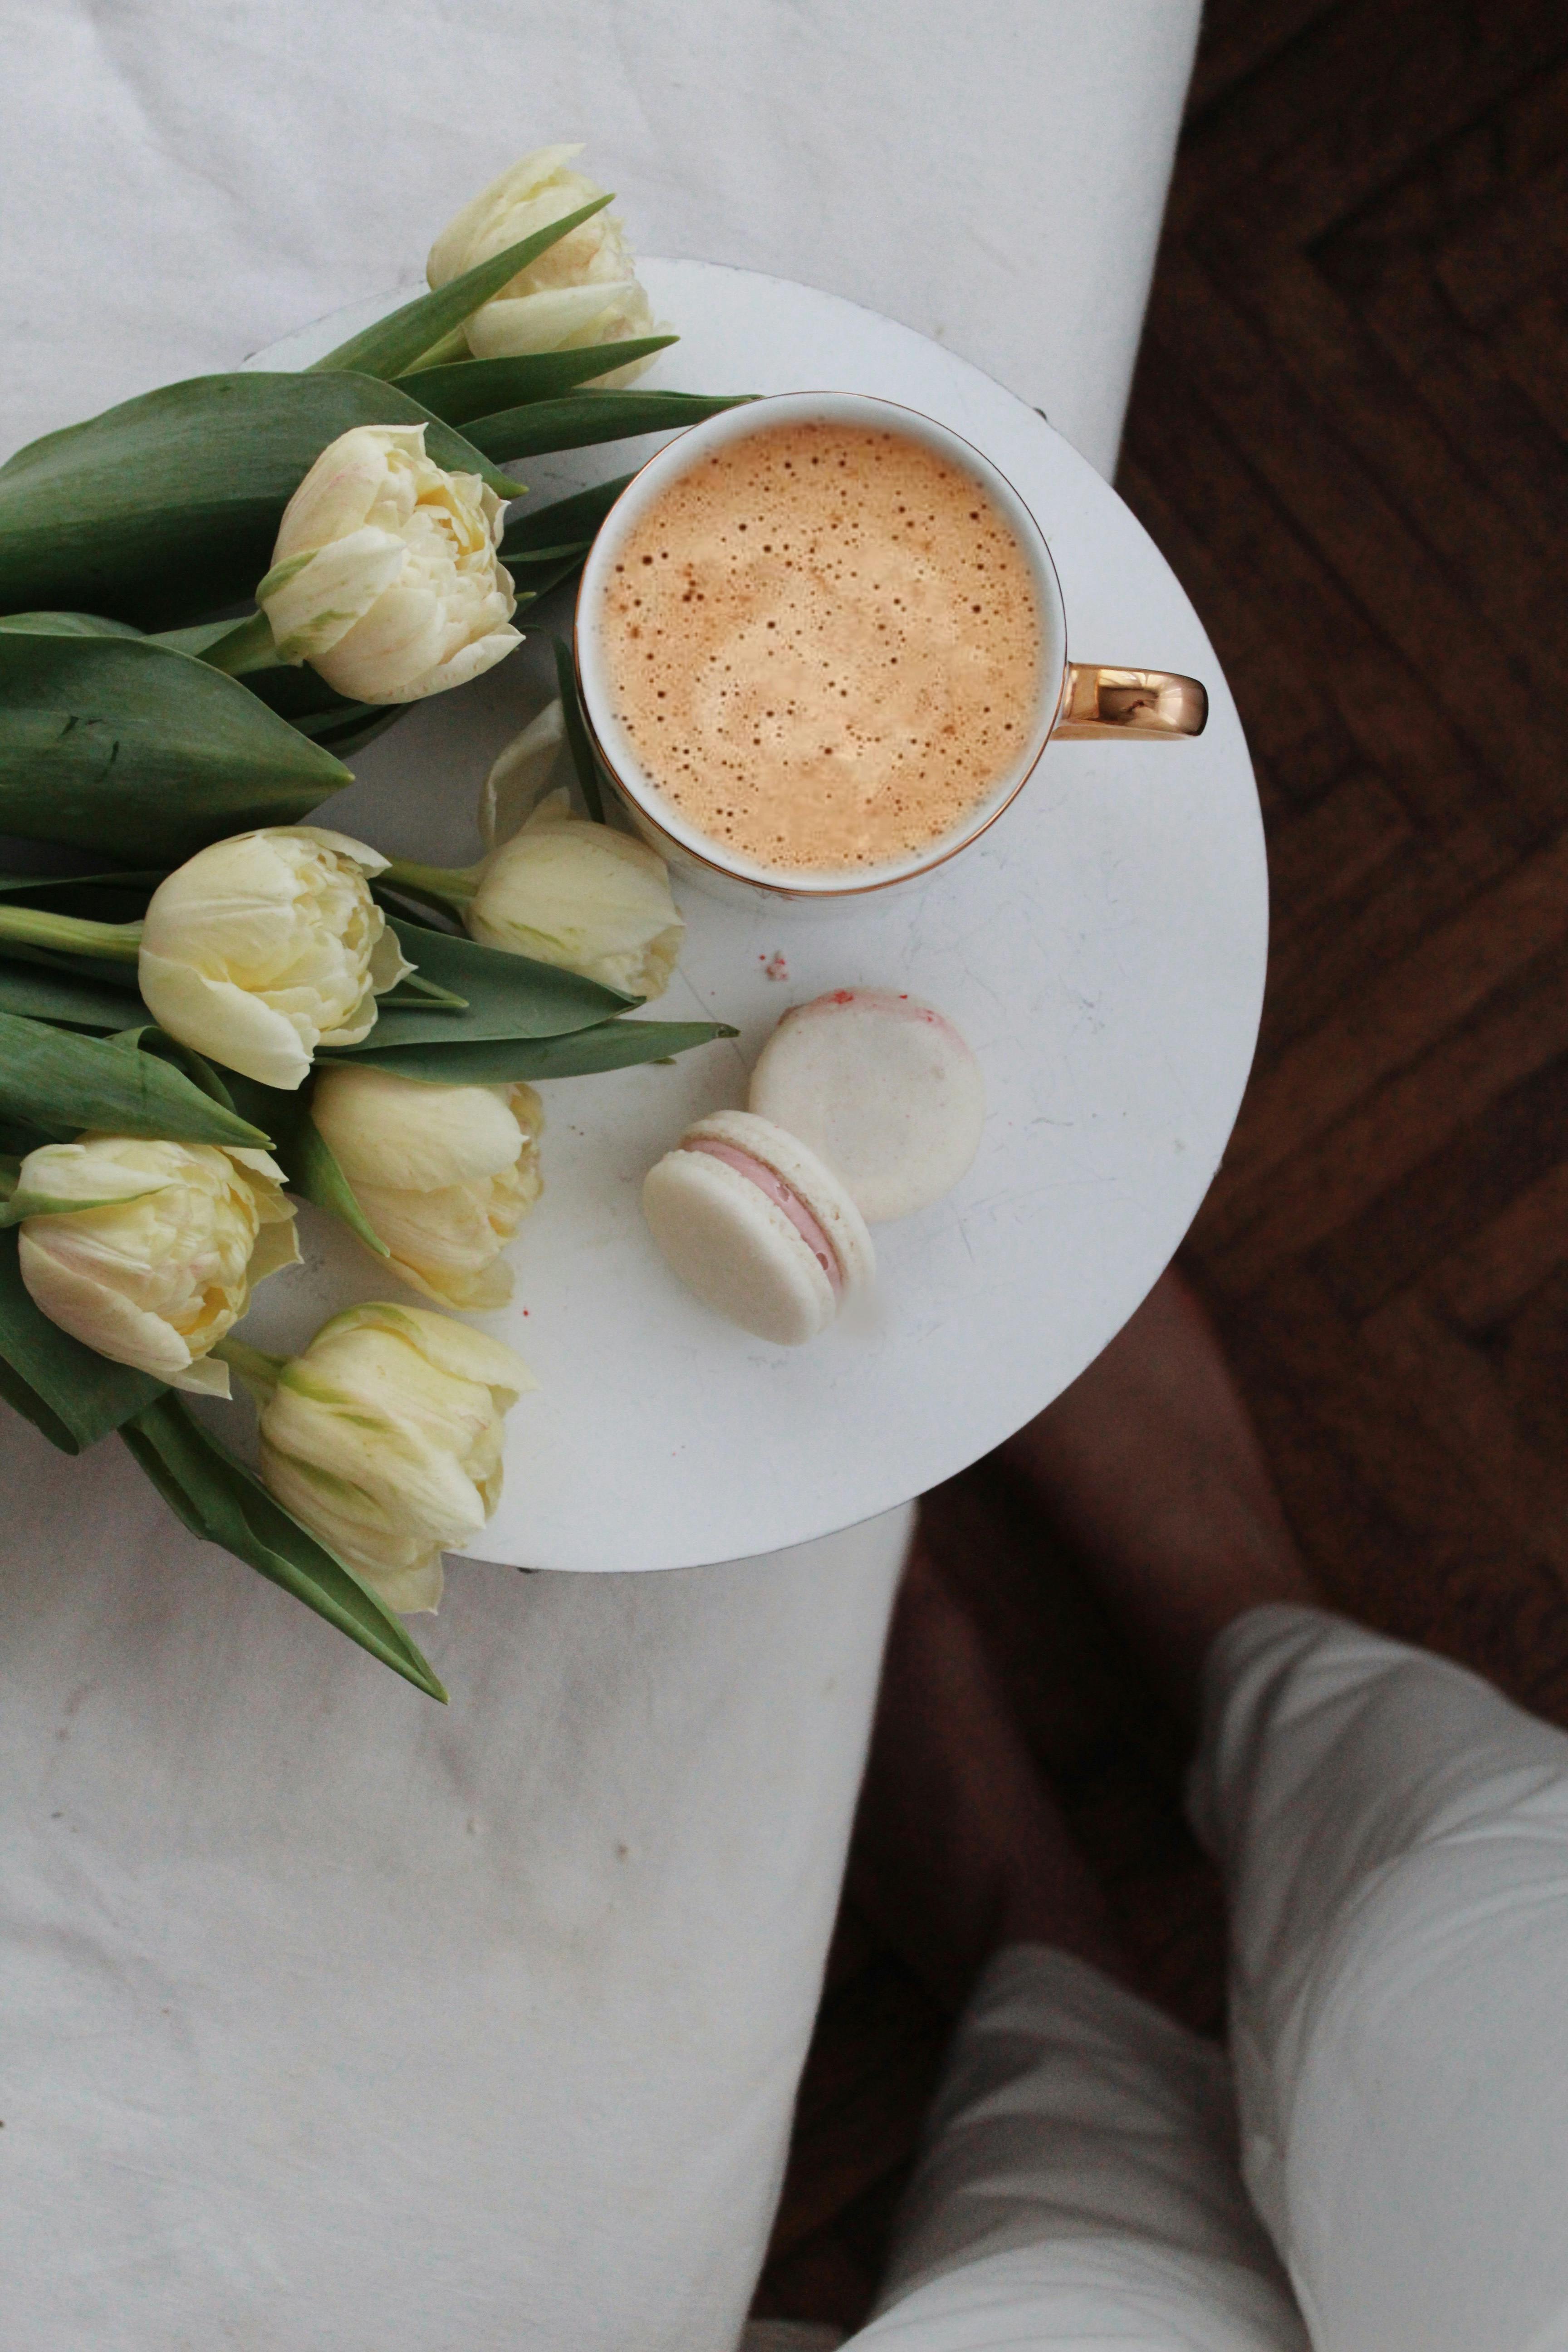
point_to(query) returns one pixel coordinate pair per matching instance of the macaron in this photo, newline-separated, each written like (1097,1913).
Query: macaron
(880,1087)
(752,1222)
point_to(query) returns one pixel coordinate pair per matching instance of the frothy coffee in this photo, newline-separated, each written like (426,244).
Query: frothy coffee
(824,642)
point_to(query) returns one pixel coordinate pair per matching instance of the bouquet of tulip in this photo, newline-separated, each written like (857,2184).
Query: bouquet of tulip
(211,598)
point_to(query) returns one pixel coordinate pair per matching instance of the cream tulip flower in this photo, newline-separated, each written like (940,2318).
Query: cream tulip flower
(582,896)
(580,291)
(166,1259)
(383,1437)
(385,577)
(444,1175)
(263,946)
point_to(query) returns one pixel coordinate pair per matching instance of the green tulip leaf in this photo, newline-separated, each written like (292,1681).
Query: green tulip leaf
(302,696)
(75,624)
(540,582)
(506,995)
(138,884)
(224,1503)
(403,338)
(309,1163)
(576,424)
(164,509)
(480,387)
(115,744)
(43,992)
(564,525)
(343,737)
(71,1393)
(415,993)
(313,1171)
(55,1078)
(17,1138)
(612,1045)
(24,1400)
(578,737)
(577,549)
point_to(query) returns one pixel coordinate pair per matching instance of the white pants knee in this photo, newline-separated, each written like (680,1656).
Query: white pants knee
(1395,1838)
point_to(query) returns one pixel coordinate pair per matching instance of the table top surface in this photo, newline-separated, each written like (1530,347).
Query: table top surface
(1102,948)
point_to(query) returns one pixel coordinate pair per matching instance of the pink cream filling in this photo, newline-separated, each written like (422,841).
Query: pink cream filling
(775,1190)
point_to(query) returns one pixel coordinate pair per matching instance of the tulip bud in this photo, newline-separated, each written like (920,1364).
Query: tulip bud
(582,896)
(519,778)
(385,577)
(159,1271)
(580,291)
(261,948)
(383,1437)
(444,1174)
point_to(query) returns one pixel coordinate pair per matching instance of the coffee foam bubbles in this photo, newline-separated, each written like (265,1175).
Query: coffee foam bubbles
(824,645)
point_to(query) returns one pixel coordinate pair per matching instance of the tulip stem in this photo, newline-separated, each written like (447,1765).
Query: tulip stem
(249,646)
(449,886)
(72,934)
(257,1371)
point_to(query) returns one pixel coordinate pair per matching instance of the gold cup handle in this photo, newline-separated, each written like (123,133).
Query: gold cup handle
(1144,702)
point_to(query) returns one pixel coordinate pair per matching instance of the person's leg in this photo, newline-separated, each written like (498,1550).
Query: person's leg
(1395,1837)
(1079,2181)
(1151,1466)
(960,1849)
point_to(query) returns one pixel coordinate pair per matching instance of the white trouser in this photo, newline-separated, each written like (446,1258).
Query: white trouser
(1394,1840)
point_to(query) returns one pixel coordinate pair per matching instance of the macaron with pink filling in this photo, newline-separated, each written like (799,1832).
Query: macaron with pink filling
(883,1088)
(752,1222)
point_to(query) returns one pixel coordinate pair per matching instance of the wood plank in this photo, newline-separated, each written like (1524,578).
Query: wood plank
(1240,39)
(1294,728)
(1372,700)
(1416,76)
(1458,1394)
(1472,1179)
(1522,243)
(1283,1210)
(1294,118)
(1341,507)
(1496,1269)
(1432,989)
(1533,347)
(1467,388)
(1530,1356)
(1454,1578)
(1321,858)
(1449,502)
(1320,965)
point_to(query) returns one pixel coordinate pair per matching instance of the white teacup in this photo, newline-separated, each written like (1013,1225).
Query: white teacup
(1072,699)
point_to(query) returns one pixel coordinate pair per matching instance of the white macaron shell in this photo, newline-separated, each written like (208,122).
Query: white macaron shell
(736,1249)
(883,1088)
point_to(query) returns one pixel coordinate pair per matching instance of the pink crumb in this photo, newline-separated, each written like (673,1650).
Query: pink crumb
(775,968)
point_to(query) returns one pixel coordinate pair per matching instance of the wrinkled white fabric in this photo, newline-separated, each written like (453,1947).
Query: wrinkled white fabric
(335,2020)
(1395,1837)
(184,181)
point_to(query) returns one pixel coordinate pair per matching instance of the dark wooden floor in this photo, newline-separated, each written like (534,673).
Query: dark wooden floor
(1350,435)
